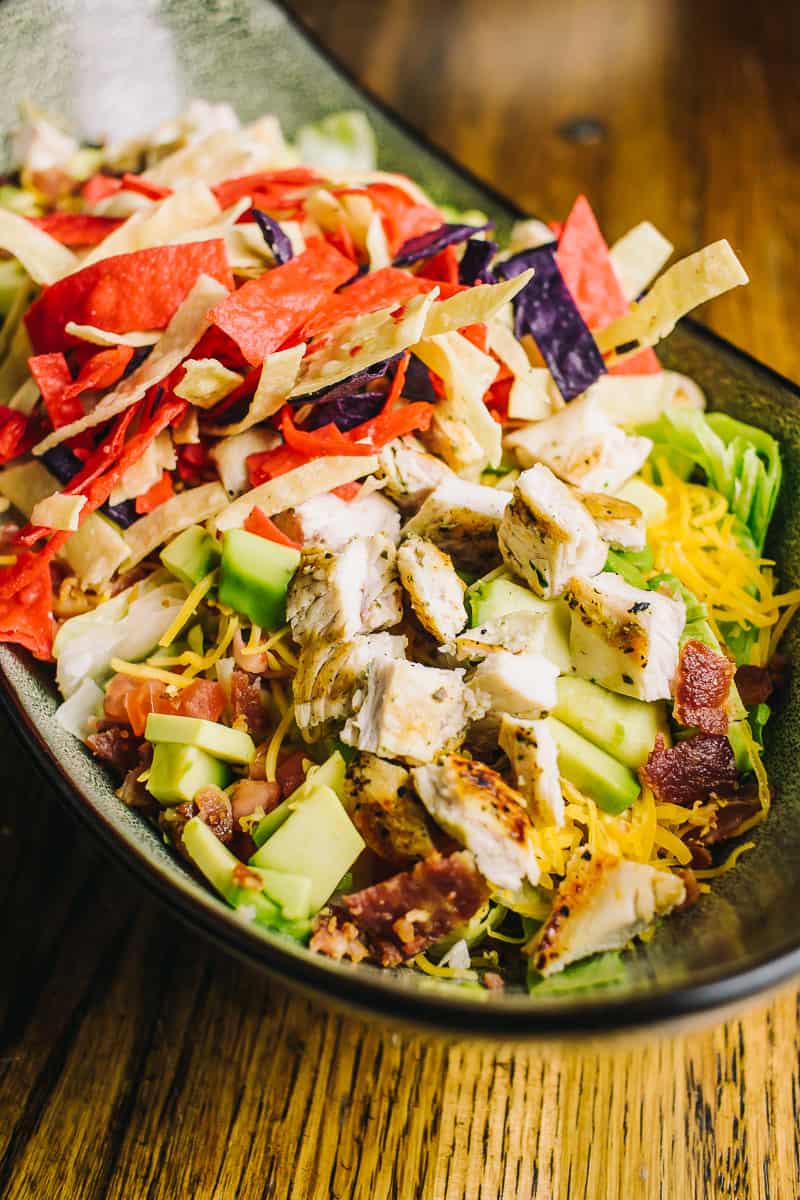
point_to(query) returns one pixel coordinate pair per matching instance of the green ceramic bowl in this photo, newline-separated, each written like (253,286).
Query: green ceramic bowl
(122,76)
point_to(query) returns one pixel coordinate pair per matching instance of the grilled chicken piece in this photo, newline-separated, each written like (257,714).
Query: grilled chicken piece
(411,474)
(602,903)
(546,535)
(435,590)
(341,594)
(618,522)
(462,519)
(532,753)
(582,446)
(477,807)
(522,685)
(329,521)
(385,810)
(623,637)
(328,675)
(517,632)
(409,711)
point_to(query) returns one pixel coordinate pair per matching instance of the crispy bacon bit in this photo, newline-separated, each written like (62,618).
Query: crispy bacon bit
(692,889)
(690,770)
(246,877)
(211,805)
(246,703)
(336,937)
(702,687)
(116,746)
(756,684)
(133,792)
(406,913)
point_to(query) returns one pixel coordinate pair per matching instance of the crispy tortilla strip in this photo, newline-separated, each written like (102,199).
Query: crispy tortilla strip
(278,377)
(297,486)
(172,517)
(45,259)
(638,256)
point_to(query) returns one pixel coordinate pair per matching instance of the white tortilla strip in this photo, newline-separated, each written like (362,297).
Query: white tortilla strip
(104,337)
(527,235)
(530,396)
(401,182)
(188,432)
(638,257)
(95,551)
(278,376)
(179,338)
(466,373)
(358,343)
(58,511)
(475,305)
(639,399)
(692,281)
(225,154)
(25,398)
(138,479)
(230,457)
(45,259)
(206,382)
(297,486)
(172,517)
(190,207)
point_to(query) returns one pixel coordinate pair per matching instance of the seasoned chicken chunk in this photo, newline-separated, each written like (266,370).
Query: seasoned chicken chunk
(522,685)
(517,632)
(602,903)
(435,590)
(477,807)
(623,637)
(618,522)
(532,753)
(337,594)
(385,810)
(462,519)
(327,520)
(546,535)
(328,676)
(410,473)
(409,711)
(582,446)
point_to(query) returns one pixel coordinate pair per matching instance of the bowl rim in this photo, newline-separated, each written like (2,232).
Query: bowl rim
(369,992)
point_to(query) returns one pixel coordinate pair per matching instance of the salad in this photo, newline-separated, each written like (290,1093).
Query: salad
(393,578)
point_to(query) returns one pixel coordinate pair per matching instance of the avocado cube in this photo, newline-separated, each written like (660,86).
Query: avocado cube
(498,597)
(624,727)
(178,772)
(191,555)
(330,774)
(291,892)
(318,840)
(256,574)
(611,785)
(230,745)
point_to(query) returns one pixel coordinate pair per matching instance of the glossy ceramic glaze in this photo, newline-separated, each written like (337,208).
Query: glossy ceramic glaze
(120,67)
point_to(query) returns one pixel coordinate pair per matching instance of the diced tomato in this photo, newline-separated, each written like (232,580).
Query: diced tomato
(161,490)
(76,229)
(203,698)
(259,523)
(153,191)
(147,698)
(289,772)
(118,689)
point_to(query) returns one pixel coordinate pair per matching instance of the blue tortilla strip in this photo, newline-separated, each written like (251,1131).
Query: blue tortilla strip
(417,385)
(474,265)
(546,310)
(274,236)
(359,382)
(345,411)
(428,244)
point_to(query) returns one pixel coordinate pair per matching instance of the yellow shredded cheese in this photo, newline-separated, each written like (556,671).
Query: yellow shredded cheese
(188,608)
(728,865)
(145,671)
(275,743)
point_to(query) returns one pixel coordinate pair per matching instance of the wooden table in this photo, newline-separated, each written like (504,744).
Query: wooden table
(136,1062)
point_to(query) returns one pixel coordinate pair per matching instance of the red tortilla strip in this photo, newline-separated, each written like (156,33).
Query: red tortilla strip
(76,229)
(690,770)
(265,312)
(125,293)
(401,216)
(26,605)
(270,186)
(161,490)
(702,685)
(54,381)
(144,187)
(14,433)
(378,289)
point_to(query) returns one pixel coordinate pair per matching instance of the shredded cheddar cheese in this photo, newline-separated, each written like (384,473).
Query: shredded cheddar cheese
(146,671)
(275,742)
(188,608)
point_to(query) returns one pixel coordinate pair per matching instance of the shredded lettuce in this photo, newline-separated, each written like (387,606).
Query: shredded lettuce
(602,970)
(342,141)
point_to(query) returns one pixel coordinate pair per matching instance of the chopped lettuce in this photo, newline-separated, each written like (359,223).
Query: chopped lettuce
(342,141)
(599,971)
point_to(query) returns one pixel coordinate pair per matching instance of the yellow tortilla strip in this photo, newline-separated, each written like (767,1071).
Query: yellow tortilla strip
(473,306)
(104,337)
(638,256)
(58,511)
(466,373)
(183,333)
(45,259)
(278,377)
(190,207)
(225,154)
(530,397)
(206,382)
(692,281)
(172,517)
(297,486)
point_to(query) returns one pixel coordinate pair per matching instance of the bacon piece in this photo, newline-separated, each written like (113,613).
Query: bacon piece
(756,684)
(701,689)
(692,889)
(690,770)
(213,808)
(336,937)
(246,702)
(408,912)
(117,746)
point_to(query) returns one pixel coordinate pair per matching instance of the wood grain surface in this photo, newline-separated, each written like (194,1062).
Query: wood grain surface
(138,1064)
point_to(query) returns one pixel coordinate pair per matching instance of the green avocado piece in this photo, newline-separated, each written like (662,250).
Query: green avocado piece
(611,785)
(318,840)
(191,555)
(256,574)
(178,772)
(291,892)
(330,774)
(231,745)
(499,597)
(624,727)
